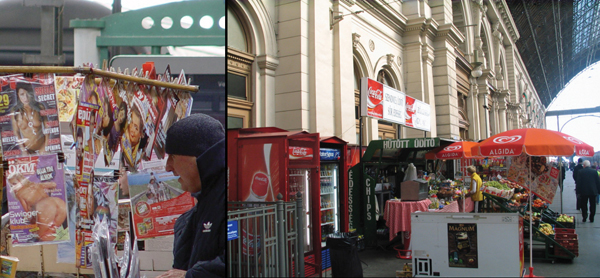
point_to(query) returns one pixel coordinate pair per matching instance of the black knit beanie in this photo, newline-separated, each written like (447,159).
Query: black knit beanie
(193,135)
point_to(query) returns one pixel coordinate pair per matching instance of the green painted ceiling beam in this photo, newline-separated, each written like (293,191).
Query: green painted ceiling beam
(174,24)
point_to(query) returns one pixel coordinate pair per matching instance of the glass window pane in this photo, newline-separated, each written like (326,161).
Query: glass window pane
(236,86)
(234,122)
(235,33)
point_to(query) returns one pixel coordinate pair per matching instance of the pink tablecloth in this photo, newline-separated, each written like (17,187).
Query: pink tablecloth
(455,206)
(397,214)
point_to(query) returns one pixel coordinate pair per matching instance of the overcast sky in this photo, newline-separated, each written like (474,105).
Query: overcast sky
(581,92)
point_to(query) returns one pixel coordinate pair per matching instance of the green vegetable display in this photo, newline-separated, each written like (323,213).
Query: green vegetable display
(498,185)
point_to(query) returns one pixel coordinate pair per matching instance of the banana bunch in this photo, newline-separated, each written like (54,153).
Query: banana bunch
(546,229)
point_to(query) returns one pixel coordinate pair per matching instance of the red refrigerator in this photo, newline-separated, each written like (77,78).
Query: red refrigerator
(265,164)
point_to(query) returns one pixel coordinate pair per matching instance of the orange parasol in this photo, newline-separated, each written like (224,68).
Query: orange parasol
(534,142)
(455,150)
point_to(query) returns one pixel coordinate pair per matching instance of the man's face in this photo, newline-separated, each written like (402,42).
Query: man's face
(134,129)
(186,168)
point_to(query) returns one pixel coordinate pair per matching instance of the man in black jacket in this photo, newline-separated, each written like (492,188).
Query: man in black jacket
(587,186)
(576,169)
(196,148)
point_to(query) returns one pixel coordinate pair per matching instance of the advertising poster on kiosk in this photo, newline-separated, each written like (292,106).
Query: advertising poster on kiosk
(462,245)
(541,178)
(37,200)
(157,200)
(260,172)
(28,115)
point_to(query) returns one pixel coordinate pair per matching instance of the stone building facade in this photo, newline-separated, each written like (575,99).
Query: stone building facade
(297,65)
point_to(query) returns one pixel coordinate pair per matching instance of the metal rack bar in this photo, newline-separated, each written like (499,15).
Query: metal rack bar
(99,72)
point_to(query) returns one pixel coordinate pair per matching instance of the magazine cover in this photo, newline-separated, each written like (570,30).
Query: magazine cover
(67,93)
(96,201)
(29,115)
(185,100)
(117,112)
(123,222)
(157,200)
(37,200)
(65,252)
(86,116)
(155,103)
(135,137)
(161,98)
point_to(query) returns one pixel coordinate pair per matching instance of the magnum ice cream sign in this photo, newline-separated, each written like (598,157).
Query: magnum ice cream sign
(382,102)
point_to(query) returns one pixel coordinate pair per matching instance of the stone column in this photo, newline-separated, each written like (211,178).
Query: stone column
(265,101)
(343,78)
(502,106)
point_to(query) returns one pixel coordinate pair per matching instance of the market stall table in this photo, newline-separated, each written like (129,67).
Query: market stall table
(454,206)
(397,214)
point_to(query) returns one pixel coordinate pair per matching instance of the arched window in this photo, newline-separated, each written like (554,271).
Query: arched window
(239,66)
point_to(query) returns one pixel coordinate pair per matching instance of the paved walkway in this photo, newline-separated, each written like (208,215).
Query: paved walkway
(381,262)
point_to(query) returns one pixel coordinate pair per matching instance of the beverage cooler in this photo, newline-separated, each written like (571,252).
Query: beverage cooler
(265,162)
(333,181)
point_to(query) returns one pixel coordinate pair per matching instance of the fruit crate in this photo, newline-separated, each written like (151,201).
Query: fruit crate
(564,231)
(570,244)
(563,236)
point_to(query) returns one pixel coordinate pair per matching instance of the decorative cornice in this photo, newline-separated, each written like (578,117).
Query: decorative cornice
(349,2)
(391,18)
(242,57)
(450,33)
(267,62)
(508,19)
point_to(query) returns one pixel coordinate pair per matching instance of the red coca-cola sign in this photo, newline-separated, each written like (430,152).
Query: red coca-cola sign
(410,111)
(375,99)
(260,184)
(300,153)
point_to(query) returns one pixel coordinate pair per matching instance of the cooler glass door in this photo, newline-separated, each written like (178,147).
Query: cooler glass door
(300,182)
(329,200)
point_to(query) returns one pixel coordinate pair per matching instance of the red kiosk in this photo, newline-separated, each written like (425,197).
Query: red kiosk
(264,162)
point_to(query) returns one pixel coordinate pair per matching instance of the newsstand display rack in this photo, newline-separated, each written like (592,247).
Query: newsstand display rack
(562,245)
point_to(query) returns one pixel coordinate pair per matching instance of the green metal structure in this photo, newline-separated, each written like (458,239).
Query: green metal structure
(186,23)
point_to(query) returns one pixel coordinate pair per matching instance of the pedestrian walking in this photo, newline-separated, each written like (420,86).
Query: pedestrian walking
(587,186)
(576,169)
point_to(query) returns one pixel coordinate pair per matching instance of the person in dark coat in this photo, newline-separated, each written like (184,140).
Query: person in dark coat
(196,148)
(576,169)
(587,187)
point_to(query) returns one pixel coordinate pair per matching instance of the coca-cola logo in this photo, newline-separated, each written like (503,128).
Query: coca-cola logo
(452,148)
(573,140)
(375,94)
(299,151)
(260,184)
(507,139)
